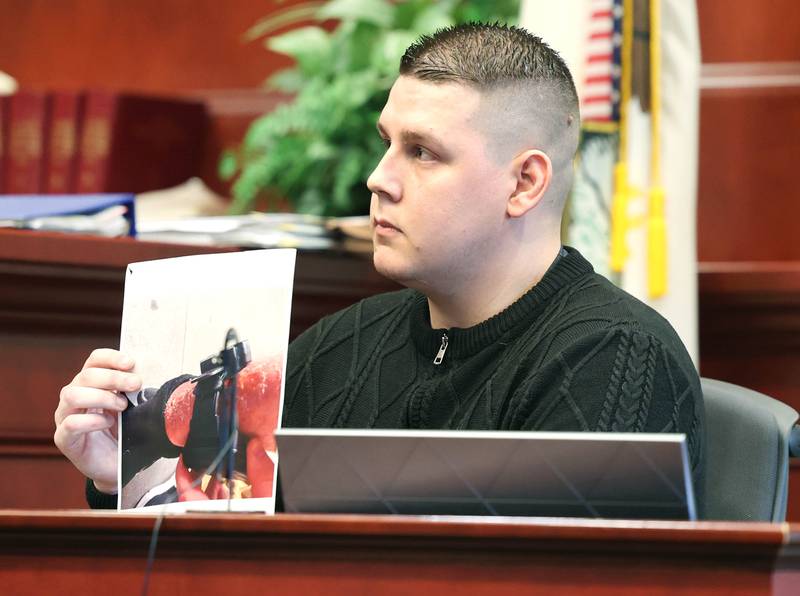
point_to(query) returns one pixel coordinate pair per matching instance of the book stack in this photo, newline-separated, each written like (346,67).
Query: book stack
(97,142)
(98,215)
(263,230)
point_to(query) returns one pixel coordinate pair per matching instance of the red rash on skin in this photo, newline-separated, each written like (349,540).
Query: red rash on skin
(178,413)
(183,484)
(186,492)
(260,469)
(258,391)
(258,388)
(216,490)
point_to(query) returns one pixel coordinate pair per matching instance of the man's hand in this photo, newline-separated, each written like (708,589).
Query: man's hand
(86,417)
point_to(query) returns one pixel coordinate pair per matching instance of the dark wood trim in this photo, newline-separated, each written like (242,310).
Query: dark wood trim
(205,554)
(75,249)
(650,533)
(227,103)
(28,446)
(752,307)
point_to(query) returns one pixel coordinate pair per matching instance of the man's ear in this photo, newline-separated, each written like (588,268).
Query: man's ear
(534,171)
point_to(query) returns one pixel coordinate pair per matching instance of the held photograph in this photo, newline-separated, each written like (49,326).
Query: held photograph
(209,335)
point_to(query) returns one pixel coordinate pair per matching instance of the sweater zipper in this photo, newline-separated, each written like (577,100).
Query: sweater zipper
(442,350)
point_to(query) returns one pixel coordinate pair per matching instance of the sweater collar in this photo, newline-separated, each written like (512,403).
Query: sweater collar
(568,266)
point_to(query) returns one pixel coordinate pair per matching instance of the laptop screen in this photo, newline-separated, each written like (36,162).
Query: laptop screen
(541,474)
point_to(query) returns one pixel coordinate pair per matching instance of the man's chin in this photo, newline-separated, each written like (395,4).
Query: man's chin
(391,267)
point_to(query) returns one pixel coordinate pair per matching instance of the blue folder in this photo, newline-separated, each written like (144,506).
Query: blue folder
(22,208)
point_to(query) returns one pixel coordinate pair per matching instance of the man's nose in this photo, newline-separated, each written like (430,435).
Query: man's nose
(384,180)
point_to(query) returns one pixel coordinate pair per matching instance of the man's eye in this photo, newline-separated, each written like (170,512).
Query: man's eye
(423,154)
(386,142)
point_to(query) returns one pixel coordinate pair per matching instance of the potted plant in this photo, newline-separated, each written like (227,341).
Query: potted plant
(317,151)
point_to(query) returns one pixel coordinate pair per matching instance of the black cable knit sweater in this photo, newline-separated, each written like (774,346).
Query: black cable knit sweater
(575,353)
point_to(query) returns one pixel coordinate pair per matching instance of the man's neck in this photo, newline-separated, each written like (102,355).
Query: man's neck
(489,295)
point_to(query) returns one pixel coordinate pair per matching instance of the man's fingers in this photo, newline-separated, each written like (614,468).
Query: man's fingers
(76,399)
(75,425)
(108,358)
(88,412)
(104,378)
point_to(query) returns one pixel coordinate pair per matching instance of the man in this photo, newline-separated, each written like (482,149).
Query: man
(500,327)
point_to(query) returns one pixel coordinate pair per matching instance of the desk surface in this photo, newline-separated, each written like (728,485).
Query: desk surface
(316,554)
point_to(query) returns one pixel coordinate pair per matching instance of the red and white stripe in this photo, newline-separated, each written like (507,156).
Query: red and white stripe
(597,96)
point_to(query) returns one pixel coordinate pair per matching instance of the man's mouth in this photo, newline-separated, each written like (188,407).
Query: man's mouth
(384,226)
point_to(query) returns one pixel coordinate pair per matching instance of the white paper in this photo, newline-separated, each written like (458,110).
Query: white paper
(176,314)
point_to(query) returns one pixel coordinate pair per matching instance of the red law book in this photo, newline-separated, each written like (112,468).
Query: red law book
(63,135)
(28,119)
(134,143)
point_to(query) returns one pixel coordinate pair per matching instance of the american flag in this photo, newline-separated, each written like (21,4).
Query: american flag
(600,95)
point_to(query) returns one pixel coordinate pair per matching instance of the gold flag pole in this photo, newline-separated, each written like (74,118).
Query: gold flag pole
(620,219)
(656,222)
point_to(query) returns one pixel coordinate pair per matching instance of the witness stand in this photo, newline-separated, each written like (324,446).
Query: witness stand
(197,554)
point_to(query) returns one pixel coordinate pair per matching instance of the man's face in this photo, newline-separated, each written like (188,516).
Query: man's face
(438,195)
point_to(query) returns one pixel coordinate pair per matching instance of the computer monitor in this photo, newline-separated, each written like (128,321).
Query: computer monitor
(549,474)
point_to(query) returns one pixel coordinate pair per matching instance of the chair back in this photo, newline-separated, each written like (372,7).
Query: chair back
(747,453)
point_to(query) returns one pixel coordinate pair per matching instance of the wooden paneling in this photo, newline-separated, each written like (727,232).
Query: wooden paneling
(746,31)
(147,45)
(168,45)
(314,554)
(748,197)
(750,334)
(750,310)
(748,204)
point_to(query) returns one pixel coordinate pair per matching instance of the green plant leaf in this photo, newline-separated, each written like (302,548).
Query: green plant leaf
(505,11)
(318,151)
(311,201)
(291,15)
(406,12)
(437,16)
(310,46)
(357,47)
(228,165)
(288,80)
(386,58)
(379,12)
(348,175)
(246,189)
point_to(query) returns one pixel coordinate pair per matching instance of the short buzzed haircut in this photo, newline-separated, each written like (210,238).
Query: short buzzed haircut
(486,55)
(512,62)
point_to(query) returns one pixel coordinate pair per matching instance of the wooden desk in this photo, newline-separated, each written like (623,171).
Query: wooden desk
(61,296)
(90,553)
